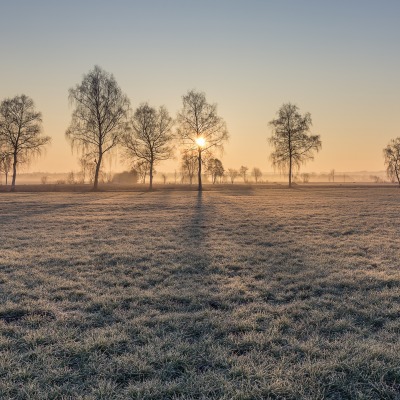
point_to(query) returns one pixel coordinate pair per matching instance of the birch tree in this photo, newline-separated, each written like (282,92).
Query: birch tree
(291,139)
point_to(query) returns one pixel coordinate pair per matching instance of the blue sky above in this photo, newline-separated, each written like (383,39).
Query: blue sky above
(339,60)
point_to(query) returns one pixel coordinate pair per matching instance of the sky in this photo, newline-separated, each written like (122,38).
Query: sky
(338,60)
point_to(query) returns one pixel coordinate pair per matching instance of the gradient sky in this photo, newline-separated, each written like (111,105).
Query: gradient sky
(339,60)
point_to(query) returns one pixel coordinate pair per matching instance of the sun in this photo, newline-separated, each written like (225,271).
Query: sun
(201,141)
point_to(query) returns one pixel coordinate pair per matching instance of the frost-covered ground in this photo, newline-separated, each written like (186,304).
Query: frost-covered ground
(235,294)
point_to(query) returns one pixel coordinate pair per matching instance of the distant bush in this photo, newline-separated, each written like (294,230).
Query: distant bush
(60,182)
(44,180)
(126,177)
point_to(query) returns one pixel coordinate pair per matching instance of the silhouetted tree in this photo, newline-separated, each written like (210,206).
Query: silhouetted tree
(142,167)
(293,145)
(256,172)
(215,169)
(233,174)
(5,161)
(164,178)
(189,164)
(243,172)
(392,159)
(99,118)
(21,131)
(199,127)
(150,138)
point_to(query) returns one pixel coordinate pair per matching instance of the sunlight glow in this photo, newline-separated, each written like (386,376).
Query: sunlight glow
(201,142)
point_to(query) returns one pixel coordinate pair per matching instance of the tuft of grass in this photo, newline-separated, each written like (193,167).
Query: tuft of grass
(246,293)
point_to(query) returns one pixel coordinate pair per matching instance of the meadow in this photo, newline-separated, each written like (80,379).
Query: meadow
(237,293)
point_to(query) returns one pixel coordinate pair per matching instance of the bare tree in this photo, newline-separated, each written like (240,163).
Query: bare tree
(305,177)
(164,177)
(99,118)
(189,164)
(215,168)
(293,145)
(142,168)
(5,161)
(331,176)
(200,128)
(243,172)
(150,138)
(256,172)
(233,174)
(392,159)
(21,131)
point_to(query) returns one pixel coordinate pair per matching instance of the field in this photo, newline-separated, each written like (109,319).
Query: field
(246,293)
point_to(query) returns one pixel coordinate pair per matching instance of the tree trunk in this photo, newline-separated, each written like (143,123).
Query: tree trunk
(96,174)
(200,187)
(290,171)
(151,175)
(14,177)
(6,178)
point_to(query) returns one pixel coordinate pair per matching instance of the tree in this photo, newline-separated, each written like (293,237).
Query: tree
(305,177)
(256,172)
(164,177)
(242,172)
(99,118)
(142,167)
(189,164)
(5,161)
(215,168)
(200,128)
(233,174)
(392,159)
(21,131)
(150,137)
(291,139)
(331,176)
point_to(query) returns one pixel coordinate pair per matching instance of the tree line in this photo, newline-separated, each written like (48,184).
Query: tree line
(102,119)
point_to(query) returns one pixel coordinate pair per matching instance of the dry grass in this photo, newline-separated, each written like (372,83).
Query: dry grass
(239,294)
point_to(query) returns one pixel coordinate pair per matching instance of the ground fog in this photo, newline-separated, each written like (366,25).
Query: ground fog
(241,294)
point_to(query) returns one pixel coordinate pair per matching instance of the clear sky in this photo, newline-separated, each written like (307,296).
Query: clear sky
(339,60)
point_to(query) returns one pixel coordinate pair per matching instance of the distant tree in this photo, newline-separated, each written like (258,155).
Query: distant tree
(331,175)
(375,178)
(293,145)
(164,178)
(5,161)
(21,131)
(243,172)
(143,168)
(99,118)
(233,174)
(150,138)
(189,164)
(392,159)
(305,177)
(215,169)
(200,128)
(256,172)
(44,179)
(71,178)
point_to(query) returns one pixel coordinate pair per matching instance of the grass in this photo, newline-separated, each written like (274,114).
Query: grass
(247,293)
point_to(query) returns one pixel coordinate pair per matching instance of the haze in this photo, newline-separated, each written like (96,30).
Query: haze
(336,60)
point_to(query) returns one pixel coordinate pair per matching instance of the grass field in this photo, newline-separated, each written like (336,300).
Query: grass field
(235,294)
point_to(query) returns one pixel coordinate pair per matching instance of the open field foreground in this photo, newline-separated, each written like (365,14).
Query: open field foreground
(240,294)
